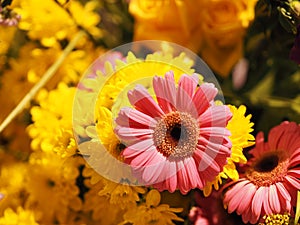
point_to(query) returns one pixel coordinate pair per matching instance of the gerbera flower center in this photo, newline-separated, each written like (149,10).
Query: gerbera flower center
(269,169)
(176,134)
(267,163)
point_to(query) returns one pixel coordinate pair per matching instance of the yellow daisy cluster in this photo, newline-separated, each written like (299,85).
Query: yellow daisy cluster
(21,217)
(62,20)
(151,212)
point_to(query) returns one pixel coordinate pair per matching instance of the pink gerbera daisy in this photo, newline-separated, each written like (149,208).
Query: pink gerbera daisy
(271,180)
(179,141)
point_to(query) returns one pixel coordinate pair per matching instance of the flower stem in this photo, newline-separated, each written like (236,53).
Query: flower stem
(47,75)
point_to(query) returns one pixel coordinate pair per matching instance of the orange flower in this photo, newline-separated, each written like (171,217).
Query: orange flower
(224,26)
(168,20)
(216,32)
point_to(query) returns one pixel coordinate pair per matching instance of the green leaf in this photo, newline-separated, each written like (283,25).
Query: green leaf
(263,89)
(296,104)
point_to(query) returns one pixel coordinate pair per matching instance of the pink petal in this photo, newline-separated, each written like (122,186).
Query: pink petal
(259,148)
(182,176)
(294,159)
(144,146)
(188,83)
(273,199)
(279,132)
(205,163)
(294,145)
(257,203)
(204,95)
(133,134)
(284,196)
(154,170)
(283,191)
(215,116)
(185,91)
(193,174)
(235,196)
(247,215)
(141,99)
(216,147)
(250,189)
(266,204)
(129,117)
(293,181)
(165,91)
(171,182)
(294,173)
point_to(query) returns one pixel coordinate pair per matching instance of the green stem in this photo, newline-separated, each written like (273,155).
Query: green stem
(47,75)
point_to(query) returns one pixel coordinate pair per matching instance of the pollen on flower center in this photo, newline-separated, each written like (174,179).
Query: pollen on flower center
(176,134)
(270,169)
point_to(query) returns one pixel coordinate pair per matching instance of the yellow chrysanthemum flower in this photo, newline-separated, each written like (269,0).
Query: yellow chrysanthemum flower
(52,188)
(102,211)
(6,37)
(121,194)
(105,132)
(51,22)
(52,121)
(136,70)
(21,217)
(240,127)
(13,176)
(151,212)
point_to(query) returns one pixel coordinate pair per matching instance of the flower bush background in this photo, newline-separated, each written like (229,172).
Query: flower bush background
(46,46)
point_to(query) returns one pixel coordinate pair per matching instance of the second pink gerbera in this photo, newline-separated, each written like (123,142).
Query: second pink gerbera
(179,141)
(272,179)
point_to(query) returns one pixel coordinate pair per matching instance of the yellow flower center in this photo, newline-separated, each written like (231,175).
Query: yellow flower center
(176,134)
(276,219)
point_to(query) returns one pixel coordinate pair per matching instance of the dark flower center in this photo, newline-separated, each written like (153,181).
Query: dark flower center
(270,168)
(176,134)
(267,163)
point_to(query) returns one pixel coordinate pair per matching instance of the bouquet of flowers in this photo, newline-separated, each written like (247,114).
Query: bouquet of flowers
(150,112)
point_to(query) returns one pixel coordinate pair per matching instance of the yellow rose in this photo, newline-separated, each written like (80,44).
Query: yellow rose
(169,20)
(213,28)
(224,24)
